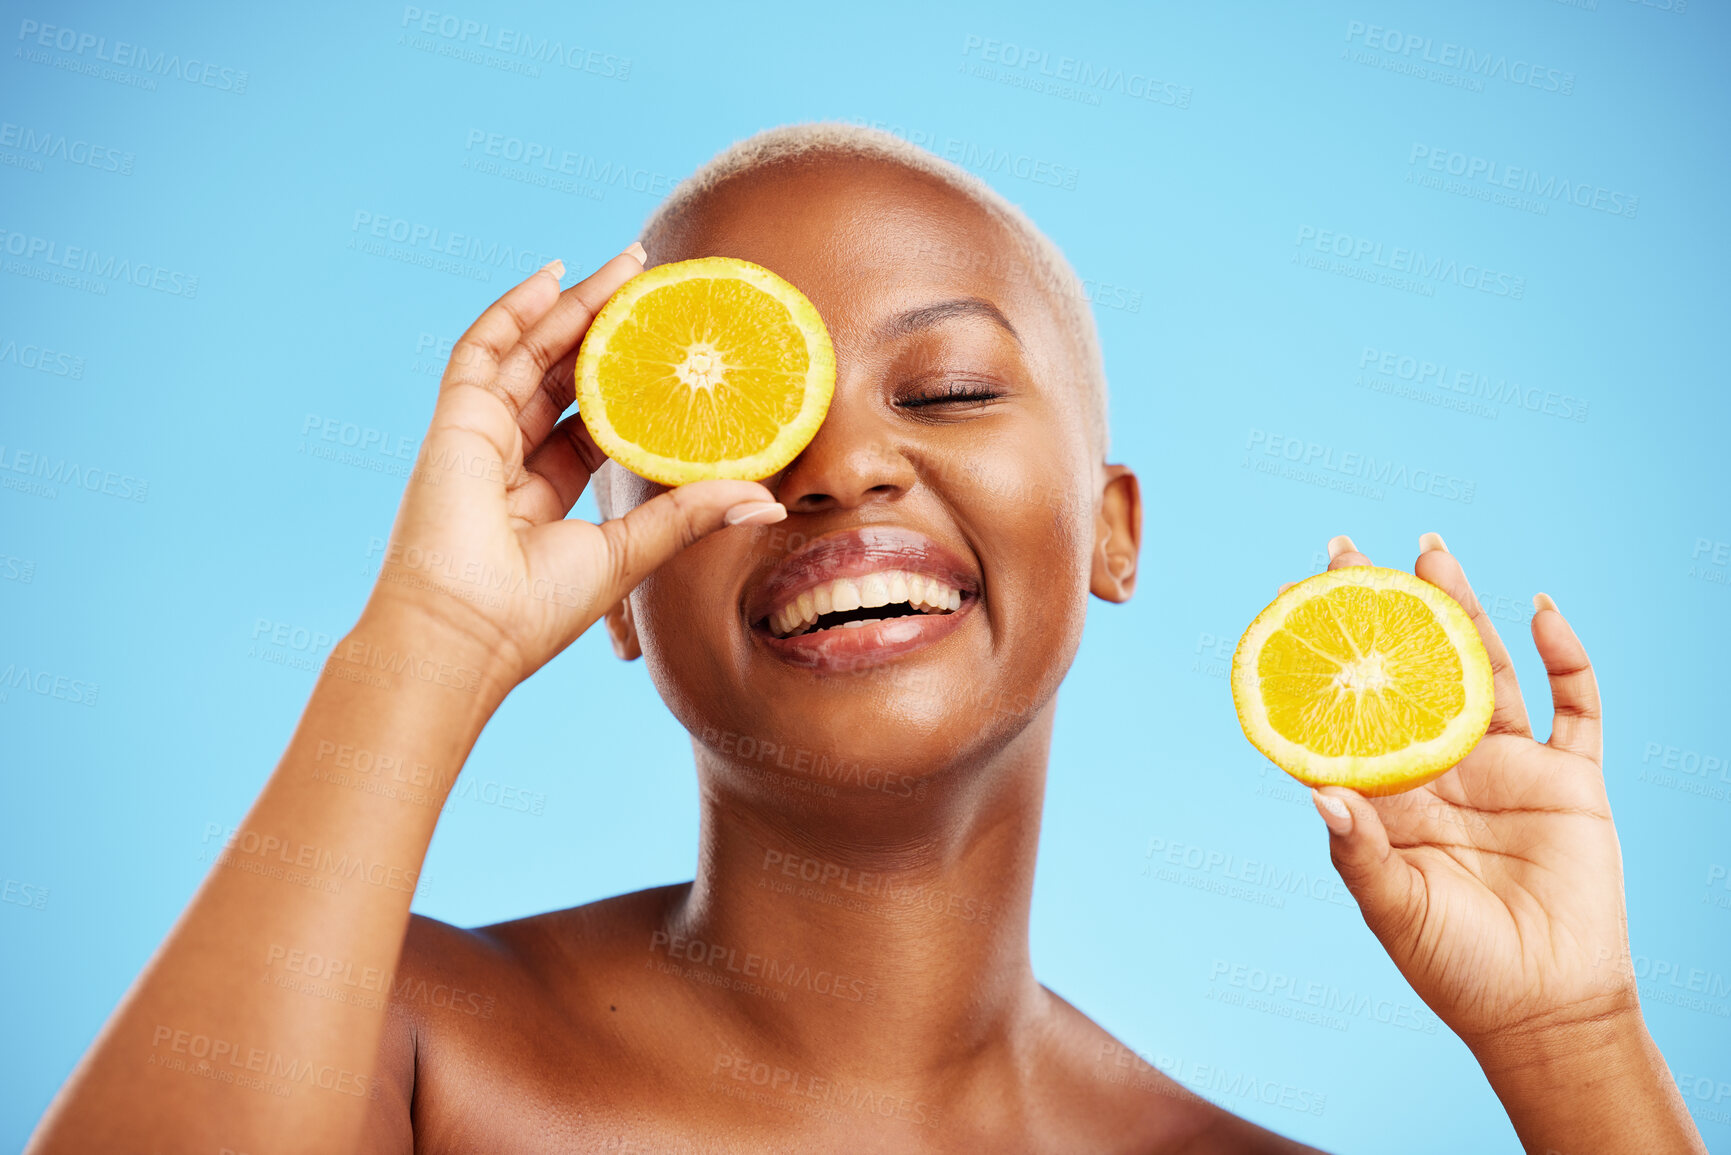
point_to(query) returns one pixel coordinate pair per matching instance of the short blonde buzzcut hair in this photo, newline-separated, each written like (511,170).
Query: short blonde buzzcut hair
(1048,267)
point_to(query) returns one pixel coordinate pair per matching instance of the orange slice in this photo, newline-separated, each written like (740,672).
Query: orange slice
(707,368)
(1363,677)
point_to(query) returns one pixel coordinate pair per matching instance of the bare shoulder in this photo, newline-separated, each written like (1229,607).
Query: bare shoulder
(472,988)
(468,973)
(528,1022)
(1134,1106)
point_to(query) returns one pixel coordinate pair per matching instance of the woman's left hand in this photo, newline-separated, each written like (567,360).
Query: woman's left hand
(1498,888)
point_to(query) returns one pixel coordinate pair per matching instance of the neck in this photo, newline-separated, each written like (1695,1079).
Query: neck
(893,916)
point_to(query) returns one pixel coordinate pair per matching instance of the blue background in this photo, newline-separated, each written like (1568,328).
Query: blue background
(1195,216)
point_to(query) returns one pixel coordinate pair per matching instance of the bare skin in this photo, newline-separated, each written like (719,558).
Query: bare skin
(849,970)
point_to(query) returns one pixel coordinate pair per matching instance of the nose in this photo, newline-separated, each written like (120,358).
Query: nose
(854,460)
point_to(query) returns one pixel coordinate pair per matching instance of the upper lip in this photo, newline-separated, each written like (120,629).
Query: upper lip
(853,553)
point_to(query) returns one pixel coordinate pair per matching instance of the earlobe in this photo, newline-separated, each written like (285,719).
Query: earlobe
(623,631)
(1117,536)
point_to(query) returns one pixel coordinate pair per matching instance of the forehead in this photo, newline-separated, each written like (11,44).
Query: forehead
(867,238)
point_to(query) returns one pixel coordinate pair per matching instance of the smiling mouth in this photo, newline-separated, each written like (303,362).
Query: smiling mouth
(858,598)
(851,602)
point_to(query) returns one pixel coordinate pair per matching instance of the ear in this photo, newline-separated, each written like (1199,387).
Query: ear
(623,631)
(1117,536)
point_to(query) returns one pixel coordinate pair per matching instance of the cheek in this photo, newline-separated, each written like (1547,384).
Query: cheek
(684,624)
(1027,490)
(1036,535)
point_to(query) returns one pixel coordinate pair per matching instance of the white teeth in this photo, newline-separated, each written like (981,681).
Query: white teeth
(844,595)
(887,587)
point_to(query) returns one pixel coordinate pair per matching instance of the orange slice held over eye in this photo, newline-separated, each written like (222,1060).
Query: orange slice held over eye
(1363,677)
(709,368)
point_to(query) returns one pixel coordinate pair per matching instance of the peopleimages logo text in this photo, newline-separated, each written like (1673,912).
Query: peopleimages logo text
(1083,73)
(1524,180)
(65,471)
(417,235)
(1471,383)
(124,55)
(50,145)
(1413,262)
(1358,466)
(1448,54)
(516,42)
(564,162)
(92,263)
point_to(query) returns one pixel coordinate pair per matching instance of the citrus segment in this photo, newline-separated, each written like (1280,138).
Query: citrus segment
(707,368)
(1364,677)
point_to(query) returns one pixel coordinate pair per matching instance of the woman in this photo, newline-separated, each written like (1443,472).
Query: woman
(849,971)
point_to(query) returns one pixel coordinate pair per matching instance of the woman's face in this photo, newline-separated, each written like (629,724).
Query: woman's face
(957,448)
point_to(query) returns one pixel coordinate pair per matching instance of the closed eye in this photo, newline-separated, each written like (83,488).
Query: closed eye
(951,393)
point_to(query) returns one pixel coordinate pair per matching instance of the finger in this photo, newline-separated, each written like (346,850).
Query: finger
(471,439)
(1389,890)
(556,473)
(653,532)
(1440,568)
(526,375)
(476,356)
(558,388)
(1575,724)
(1338,547)
(1341,553)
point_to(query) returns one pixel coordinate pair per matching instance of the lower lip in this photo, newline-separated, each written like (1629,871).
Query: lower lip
(841,650)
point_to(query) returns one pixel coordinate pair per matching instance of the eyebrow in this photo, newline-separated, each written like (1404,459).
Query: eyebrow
(926,316)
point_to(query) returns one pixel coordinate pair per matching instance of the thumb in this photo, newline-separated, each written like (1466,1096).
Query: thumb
(651,534)
(1385,886)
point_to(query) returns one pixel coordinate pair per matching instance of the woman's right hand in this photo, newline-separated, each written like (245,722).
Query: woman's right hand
(481,545)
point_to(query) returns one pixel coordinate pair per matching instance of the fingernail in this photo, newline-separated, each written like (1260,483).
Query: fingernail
(1339,545)
(1334,813)
(1544,602)
(1430,541)
(635,249)
(755,513)
(555,266)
